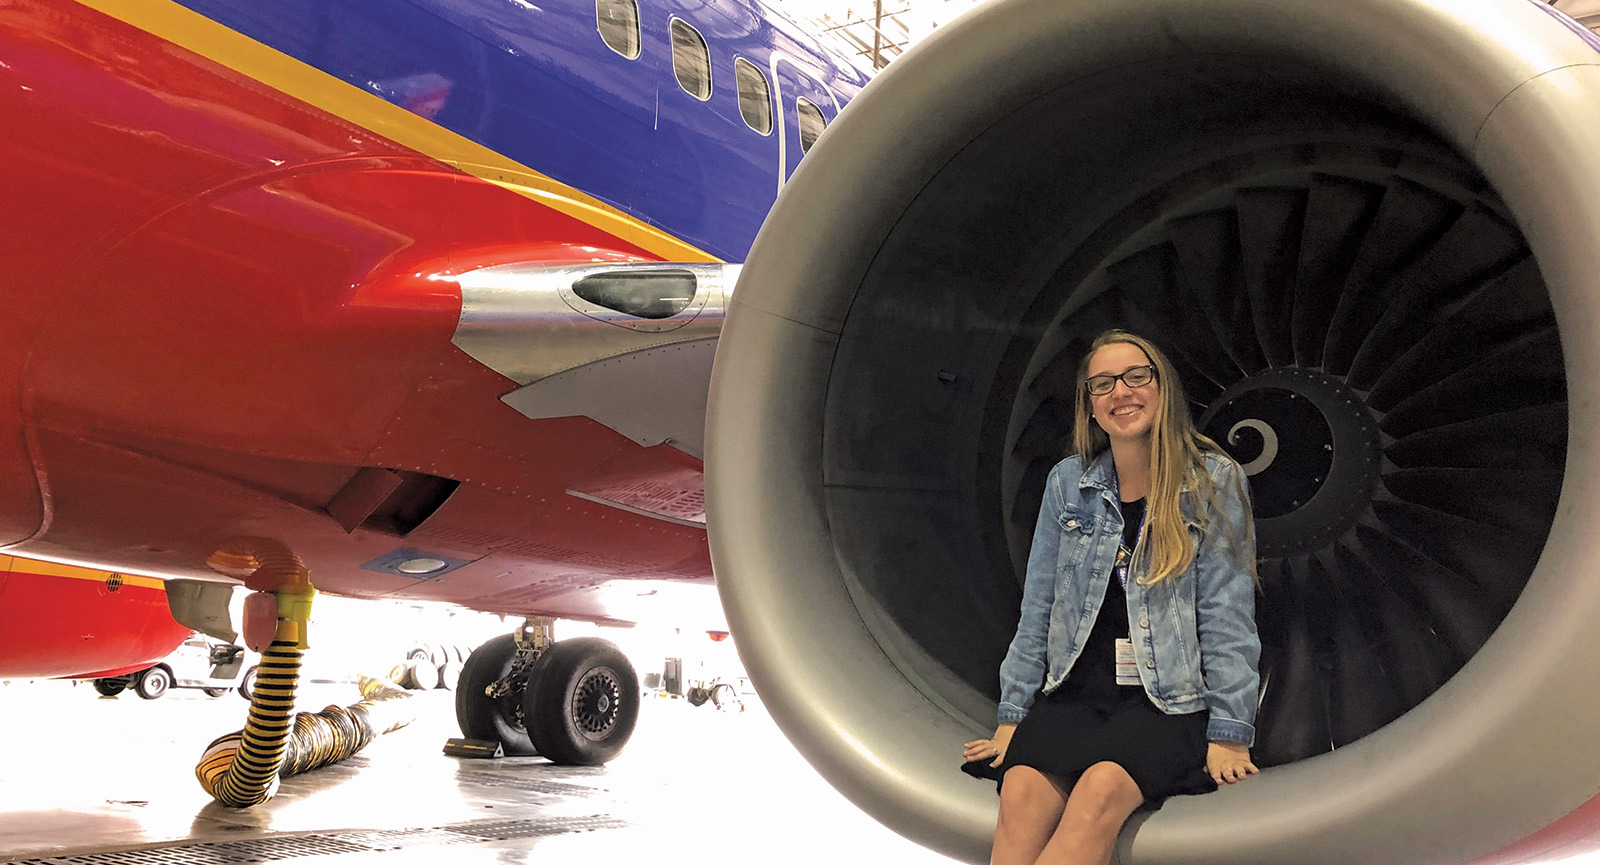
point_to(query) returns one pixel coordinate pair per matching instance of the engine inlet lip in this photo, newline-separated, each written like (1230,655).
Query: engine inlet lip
(765,460)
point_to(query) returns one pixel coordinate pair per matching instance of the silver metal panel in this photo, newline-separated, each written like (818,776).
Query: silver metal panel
(653,395)
(203,606)
(524,321)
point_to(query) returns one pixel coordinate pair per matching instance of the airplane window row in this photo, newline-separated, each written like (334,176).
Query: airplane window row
(618,22)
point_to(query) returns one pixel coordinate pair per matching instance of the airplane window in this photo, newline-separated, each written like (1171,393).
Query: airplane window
(691,62)
(755,98)
(811,123)
(618,21)
(652,294)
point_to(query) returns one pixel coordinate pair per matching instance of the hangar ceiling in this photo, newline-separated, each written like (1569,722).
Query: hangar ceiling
(875,32)
(1586,11)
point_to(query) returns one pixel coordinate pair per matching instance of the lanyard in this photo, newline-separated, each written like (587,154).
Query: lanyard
(1125,555)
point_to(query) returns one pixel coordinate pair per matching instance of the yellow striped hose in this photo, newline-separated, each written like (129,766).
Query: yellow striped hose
(315,739)
(241,769)
(336,733)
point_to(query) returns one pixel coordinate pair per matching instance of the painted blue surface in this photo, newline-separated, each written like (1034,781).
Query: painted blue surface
(534,81)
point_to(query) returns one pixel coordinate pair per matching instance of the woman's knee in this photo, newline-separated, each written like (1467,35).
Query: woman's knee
(1027,789)
(1107,787)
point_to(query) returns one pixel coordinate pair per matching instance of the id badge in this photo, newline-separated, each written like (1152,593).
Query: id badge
(1127,667)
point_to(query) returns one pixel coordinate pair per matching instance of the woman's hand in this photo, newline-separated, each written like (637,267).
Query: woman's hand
(1228,763)
(983,749)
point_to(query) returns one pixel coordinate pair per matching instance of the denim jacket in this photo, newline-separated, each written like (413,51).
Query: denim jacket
(1194,635)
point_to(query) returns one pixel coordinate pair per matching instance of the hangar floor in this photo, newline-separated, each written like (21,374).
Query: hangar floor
(109,781)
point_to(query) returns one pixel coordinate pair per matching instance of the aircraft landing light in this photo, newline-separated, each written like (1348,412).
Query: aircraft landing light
(415,564)
(421,566)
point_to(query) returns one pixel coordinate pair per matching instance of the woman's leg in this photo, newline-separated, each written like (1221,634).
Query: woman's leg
(1030,807)
(1099,804)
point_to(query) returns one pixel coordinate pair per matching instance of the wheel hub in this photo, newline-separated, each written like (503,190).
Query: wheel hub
(598,703)
(1310,448)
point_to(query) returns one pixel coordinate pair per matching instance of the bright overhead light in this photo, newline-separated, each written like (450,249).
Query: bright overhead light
(421,566)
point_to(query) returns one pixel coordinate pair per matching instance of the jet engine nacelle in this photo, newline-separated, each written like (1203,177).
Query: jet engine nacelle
(1366,232)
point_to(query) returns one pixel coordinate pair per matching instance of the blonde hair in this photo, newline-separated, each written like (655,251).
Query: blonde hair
(1177,461)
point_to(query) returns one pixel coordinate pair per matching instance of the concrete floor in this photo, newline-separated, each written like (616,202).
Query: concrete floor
(110,781)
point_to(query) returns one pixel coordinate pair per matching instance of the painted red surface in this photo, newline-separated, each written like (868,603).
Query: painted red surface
(74,626)
(1574,835)
(222,303)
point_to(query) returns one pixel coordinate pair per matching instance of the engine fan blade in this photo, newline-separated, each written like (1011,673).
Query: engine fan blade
(1411,218)
(1476,247)
(1207,250)
(1271,222)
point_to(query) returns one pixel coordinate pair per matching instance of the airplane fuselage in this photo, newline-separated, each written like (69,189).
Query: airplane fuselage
(234,256)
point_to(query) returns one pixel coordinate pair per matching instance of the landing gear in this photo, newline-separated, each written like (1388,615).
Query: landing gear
(111,687)
(582,702)
(575,702)
(489,696)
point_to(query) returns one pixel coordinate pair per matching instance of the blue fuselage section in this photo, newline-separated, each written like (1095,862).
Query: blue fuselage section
(536,83)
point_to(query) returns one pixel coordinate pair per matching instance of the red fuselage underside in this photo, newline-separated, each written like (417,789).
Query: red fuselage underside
(221,303)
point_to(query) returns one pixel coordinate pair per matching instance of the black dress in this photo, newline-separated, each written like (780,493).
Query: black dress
(1091,719)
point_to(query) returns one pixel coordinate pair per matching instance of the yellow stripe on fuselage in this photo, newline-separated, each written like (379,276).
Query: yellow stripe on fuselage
(195,32)
(19,565)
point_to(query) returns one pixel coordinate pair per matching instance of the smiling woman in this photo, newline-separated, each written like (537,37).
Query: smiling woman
(1151,690)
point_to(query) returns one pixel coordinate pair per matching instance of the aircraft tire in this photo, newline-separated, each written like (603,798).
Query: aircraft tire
(110,687)
(581,702)
(483,718)
(153,683)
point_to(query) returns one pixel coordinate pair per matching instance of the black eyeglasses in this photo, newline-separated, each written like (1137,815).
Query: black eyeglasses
(1133,377)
